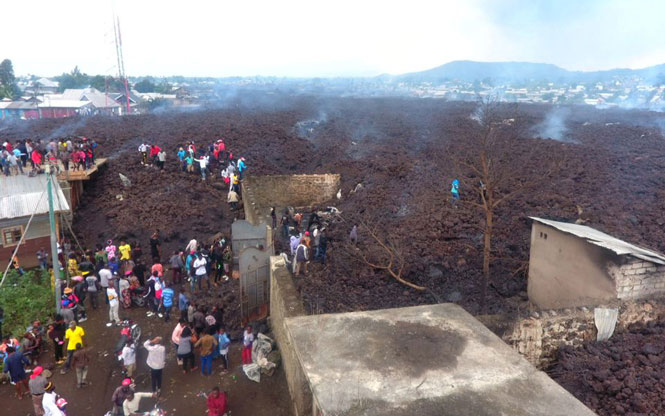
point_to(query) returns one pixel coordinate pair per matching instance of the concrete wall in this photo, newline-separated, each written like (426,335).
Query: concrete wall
(262,192)
(566,271)
(638,279)
(539,336)
(285,303)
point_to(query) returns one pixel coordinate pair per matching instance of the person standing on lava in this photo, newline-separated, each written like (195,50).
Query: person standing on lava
(155,245)
(454,190)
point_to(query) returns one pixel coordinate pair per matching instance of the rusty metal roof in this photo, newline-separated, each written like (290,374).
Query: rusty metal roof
(20,194)
(606,241)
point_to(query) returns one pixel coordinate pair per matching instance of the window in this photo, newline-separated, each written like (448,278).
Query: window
(11,236)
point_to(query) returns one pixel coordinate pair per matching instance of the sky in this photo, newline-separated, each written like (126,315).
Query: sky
(316,38)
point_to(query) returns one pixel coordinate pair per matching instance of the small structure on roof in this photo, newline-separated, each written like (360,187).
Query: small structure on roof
(20,196)
(430,360)
(575,265)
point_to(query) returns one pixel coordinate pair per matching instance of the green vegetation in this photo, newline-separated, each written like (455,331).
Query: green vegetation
(8,87)
(24,299)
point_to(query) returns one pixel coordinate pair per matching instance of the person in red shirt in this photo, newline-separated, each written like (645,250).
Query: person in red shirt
(217,405)
(81,156)
(36,157)
(154,151)
(76,159)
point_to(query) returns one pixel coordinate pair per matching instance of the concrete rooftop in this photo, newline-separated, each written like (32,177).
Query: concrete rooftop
(422,360)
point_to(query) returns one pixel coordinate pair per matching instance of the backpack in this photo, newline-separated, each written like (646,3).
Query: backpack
(158,289)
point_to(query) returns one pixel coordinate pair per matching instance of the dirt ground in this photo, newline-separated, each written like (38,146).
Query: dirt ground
(179,392)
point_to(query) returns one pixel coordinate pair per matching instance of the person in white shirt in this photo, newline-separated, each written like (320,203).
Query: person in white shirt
(114,305)
(191,246)
(131,404)
(105,276)
(156,361)
(128,356)
(49,401)
(201,272)
(204,165)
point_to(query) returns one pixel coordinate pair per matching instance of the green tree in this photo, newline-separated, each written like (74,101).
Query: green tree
(74,79)
(164,88)
(8,87)
(25,299)
(145,85)
(98,82)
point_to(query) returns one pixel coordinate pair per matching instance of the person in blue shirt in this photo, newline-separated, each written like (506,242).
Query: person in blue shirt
(181,157)
(223,346)
(188,266)
(14,365)
(183,303)
(241,166)
(167,300)
(454,190)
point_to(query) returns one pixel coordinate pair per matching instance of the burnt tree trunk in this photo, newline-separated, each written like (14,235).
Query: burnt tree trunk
(487,254)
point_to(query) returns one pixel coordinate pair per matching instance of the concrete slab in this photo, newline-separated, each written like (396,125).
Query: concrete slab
(423,360)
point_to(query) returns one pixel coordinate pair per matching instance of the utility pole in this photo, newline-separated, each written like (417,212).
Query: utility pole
(54,244)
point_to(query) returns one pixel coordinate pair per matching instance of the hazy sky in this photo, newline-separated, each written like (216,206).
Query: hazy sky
(327,38)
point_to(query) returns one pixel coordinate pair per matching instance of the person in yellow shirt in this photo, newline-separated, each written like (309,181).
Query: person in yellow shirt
(125,251)
(74,335)
(72,266)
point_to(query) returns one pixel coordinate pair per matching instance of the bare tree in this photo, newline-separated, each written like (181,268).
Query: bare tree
(381,251)
(488,168)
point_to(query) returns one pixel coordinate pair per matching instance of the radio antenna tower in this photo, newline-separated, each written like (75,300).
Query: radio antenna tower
(121,62)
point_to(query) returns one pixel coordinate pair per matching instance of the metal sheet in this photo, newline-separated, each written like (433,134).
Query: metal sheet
(244,235)
(21,194)
(254,267)
(601,239)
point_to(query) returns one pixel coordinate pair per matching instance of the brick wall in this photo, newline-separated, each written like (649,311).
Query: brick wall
(638,279)
(262,192)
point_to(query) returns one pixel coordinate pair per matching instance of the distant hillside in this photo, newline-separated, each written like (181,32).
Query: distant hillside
(470,71)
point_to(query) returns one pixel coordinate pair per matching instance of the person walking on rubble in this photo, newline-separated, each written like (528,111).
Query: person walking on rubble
(232,199)
(454,191)
(143,149)
(203,162)
(300,258)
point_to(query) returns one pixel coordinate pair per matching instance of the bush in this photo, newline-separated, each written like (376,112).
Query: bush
(24,299)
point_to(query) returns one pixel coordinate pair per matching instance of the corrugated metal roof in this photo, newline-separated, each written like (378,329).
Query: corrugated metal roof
(20,194)
(63,104)
(22,105)
(606,241)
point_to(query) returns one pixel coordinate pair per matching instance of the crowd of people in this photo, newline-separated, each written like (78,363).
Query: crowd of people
(204,160)
(77,153)
(125,277)
(307,238)
(120,273)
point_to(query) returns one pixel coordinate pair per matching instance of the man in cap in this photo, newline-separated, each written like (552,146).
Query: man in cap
(74,335)
(49,401)
(37,385)
(119,396)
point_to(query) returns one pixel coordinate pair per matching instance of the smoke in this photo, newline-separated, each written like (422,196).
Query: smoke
(554,126)
(69,128)
(309,129)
